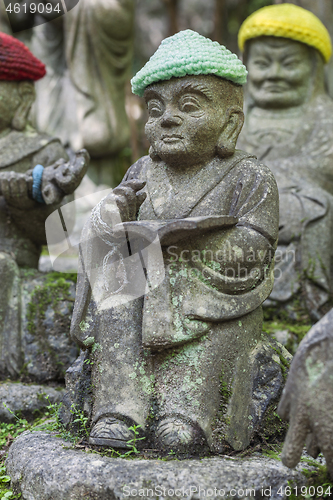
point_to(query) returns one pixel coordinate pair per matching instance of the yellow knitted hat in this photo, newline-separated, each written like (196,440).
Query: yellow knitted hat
(287,21)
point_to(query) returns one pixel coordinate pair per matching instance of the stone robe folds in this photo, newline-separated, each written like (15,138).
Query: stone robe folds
(81,99)
(99,43)
(169,351)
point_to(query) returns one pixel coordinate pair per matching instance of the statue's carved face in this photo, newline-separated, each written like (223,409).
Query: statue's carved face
(186,117)
(279,72)
(9,102)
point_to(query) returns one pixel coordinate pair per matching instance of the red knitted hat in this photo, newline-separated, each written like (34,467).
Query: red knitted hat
(17,62)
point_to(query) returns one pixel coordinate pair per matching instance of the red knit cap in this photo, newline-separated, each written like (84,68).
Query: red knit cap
(17,62)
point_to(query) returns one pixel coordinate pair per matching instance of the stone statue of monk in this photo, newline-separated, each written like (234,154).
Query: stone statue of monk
(181,359)
(289,126)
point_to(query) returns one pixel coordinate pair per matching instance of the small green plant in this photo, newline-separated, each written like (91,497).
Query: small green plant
(81,420)
(88,362)
(132,443)
(5,490)
(12,430)
(53,411)
(90,342)
(3,477)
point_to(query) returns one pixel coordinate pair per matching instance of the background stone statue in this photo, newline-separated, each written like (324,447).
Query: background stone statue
(289,126)
(186,359)
(29,193)
(323,9)
(88,57)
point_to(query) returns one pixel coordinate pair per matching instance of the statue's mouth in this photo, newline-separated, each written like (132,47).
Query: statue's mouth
(171,138)
(275,87)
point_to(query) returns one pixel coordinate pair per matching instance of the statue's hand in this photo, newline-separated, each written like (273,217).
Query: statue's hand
(307,402)
(63,177)
(15,188)
(128,201)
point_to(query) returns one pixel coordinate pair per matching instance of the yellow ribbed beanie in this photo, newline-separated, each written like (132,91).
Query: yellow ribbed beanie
(287,20)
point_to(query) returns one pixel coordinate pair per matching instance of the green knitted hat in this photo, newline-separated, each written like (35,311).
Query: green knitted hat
(188,53)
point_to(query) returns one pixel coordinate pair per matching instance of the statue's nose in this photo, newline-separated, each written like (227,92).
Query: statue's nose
(275,71)
(170,119)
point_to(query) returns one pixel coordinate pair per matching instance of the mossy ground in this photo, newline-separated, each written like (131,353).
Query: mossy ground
(280,321)
(54,289)
(319,482)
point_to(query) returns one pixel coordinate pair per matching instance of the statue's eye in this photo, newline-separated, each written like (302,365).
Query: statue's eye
(155,108)
(291,63)
(261,63)
(189,104)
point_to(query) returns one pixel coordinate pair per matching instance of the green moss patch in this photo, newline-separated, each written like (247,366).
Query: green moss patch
(54,289)
(297,329)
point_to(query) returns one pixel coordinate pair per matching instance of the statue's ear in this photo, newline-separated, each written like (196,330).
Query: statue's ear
(27,94)
(231,130)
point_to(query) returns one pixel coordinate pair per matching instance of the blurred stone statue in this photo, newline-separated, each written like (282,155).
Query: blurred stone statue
(184,358)
(307,400)
(289,126)
(88,57)
(35,176)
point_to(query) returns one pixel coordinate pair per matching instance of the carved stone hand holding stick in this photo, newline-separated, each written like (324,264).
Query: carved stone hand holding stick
(49,185)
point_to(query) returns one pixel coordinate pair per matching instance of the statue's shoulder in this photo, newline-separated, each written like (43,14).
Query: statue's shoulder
(248,165)
(138,169)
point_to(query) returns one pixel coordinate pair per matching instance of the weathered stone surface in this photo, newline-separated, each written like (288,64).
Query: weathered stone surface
(26,400)
(47,304)
(39,348)
(78,393)
(42,469)
(266,370)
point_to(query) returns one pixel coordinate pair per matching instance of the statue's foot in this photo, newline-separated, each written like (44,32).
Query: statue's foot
(174,433)
(111,432)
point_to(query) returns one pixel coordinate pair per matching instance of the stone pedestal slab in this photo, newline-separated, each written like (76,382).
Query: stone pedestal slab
(43,467)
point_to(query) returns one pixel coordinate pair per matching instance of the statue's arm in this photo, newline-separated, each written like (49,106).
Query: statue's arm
(123,203)
(59,179)
(244,254)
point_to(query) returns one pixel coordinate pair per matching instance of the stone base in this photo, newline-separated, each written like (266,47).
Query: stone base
(42,467)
